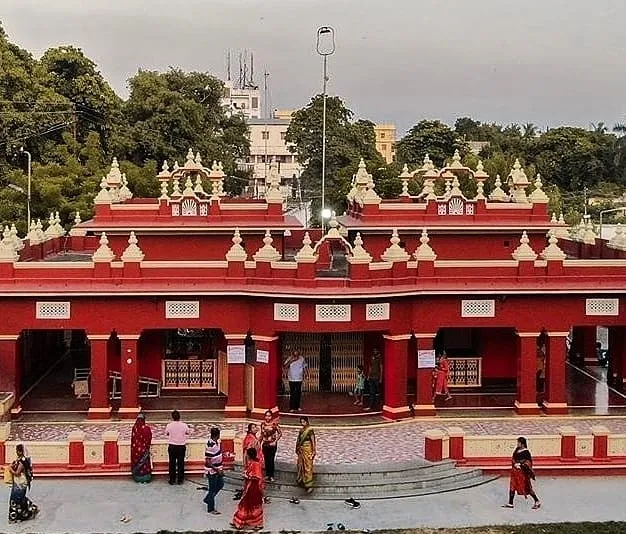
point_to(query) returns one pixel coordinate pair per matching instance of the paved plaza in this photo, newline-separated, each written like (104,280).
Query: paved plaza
(86,506)
(352,445)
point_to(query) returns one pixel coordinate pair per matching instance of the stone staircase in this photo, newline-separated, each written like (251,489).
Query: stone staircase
(339,482)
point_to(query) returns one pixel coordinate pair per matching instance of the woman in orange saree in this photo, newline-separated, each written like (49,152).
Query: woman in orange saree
(249,511)
(441,381)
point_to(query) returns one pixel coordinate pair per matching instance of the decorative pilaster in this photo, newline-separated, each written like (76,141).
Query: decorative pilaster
(526,399)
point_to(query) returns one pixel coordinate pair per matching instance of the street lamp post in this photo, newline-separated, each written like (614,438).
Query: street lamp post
(325,48)
(28,189)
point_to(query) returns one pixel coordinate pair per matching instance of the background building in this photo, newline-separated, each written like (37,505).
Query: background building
(386,141)
(246,100)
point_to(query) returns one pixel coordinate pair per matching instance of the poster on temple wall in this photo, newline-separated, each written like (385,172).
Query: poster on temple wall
(425,359)
(263,356)
(236,354)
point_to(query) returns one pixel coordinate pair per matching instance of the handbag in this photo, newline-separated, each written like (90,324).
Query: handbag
(8,475)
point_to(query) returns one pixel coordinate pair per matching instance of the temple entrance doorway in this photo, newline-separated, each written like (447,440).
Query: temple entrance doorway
(49,361)
(332,359)
(183,368)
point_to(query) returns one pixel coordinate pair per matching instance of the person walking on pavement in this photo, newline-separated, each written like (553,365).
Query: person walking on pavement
(213,469)
(177,434)
(296,368)
(373,380)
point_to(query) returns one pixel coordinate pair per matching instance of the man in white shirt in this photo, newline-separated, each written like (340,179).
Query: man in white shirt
(296,367)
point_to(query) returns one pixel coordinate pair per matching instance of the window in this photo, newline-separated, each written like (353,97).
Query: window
(243,105)
(255,102)
(266,135)
(383,147)
(283,135)
(382,135)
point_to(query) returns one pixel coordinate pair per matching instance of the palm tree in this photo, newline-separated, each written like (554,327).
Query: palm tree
(620,128)
(599,128)
(530,130)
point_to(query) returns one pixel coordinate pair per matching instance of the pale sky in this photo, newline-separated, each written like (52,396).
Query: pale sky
(550,62)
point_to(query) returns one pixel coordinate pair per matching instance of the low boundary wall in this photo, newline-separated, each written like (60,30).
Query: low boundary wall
(567,452)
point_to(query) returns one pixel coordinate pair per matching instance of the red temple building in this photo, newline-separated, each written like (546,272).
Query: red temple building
(198,298)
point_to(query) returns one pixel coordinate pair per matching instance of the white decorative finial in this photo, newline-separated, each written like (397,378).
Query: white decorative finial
(395,252)
(236,251)
(307,253)
(104,252)
(524,252)
(164,195)
(132,252)
(103,196)
(188,191)
(538,196)
(498,194)
(424,251)
(190,159)
(176,188)
(267,253)
(552,251)
(198,159)
(77,220)
(553,219)
(589,237)
(359,254)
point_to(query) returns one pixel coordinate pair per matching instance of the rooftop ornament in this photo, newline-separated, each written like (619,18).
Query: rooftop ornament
(125,193)
(518,182)
(103,253)
(17,241)
(8,254)
(41,237)
(424,251)
(164,195)
(552,251)
(77,219)
(267,252)
(57,224)
(307,253)
(524,252)
(405,176)
(561,231)
(236,251)
(395,253)
(132,251)
(165,174)
(589,236)
(333,227)
(273,194)
(103,196)
(618,241)
(359,254)
(32,235)
(498,194)
(538,196)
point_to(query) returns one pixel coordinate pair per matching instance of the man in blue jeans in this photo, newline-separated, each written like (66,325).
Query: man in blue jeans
(213,469)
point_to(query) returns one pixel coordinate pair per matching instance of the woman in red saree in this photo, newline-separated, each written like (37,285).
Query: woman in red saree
(249,511)
(441,380)
(140,442)
(522,475)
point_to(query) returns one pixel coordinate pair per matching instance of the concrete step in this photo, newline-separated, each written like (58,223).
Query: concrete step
(342,481)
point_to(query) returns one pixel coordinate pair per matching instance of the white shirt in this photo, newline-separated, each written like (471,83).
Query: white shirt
(295,373)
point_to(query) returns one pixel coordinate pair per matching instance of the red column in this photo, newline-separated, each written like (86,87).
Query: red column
(424,381)
(526,401)
(100,407)
(9,379)
(236,403)
(130,375)
(265,397)
(555,402)
(395,356)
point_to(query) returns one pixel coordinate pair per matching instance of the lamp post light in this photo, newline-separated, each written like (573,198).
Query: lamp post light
(28,188)
(325,48)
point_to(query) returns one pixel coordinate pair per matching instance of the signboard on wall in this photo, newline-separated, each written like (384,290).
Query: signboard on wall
(263,356)
(425,359)
(236,354)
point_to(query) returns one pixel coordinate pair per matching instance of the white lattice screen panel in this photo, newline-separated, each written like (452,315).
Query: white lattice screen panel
(602,307)
(182,309)
(379,311)
(286,312)
(52,310)
(478,308)
(325,313)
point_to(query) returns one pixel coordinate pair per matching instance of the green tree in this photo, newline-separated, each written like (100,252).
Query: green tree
(434,138)
(346,143)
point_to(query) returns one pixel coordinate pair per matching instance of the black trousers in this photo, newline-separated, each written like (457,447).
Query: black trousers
(269,453)
(176,455)
(295,395)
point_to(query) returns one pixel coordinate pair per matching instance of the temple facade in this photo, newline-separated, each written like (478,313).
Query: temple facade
(196,294)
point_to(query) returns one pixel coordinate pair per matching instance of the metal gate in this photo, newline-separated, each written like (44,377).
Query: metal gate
(335,354)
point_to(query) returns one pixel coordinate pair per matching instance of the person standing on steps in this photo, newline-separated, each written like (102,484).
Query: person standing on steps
(522,475)
(296,368)
(177,434)
(270,435)
(306,451)
(373,380)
